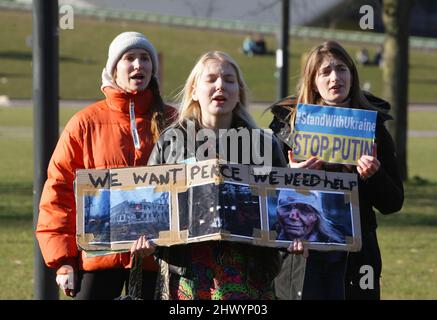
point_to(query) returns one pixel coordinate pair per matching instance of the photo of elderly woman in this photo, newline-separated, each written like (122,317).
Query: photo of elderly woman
(314,216)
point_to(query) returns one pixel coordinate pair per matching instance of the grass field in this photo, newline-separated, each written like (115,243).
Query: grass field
(408,239)
(83,52)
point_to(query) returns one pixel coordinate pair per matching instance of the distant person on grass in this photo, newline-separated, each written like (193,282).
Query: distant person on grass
(255,46)
(363,57)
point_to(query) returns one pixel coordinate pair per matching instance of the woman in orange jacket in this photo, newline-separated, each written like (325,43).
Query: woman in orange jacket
(119,131)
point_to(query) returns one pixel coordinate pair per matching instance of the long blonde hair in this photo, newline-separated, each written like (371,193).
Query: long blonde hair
(305,89)
(190,109)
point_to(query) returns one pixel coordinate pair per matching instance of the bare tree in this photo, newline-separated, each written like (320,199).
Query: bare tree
(193,7)
(261,7)
(396,17)
(199,8)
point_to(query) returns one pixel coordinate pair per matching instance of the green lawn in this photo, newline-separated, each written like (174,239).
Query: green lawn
(407,238)
(408,245)
(422,119)
(83,54)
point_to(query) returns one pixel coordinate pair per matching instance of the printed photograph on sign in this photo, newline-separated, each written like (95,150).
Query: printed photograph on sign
(314,216)
(97,215)
(209,208)
(240,209)
(138,211)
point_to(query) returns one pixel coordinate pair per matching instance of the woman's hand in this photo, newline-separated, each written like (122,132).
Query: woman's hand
(143,247)
(65,278)
(297,247)
(367,166)
(311,163)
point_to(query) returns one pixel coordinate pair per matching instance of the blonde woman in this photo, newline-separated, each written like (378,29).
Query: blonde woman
(214,98)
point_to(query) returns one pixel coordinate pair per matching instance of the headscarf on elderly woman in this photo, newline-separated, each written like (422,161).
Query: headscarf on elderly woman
(301,216)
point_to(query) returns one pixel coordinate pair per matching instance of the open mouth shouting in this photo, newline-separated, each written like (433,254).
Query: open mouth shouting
(336,88)
(220,99)
(138,77)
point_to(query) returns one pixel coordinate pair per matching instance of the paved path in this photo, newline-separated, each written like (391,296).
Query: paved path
(422,134)
(7,132)
(254,105)
(260,106)
(412,107)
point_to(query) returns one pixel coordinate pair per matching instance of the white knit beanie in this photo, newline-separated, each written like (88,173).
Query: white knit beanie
(126,41)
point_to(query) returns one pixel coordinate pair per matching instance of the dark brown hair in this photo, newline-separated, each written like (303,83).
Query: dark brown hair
(305,90)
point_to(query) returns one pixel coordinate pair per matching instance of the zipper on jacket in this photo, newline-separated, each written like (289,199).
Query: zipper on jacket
(133,125)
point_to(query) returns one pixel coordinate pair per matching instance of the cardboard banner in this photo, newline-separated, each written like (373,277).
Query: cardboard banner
(213,200)
(333,134)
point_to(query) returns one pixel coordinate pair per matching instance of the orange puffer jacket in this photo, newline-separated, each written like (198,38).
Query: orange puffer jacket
(97,137)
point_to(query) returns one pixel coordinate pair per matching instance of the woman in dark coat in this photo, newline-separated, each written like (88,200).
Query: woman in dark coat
(330,78)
